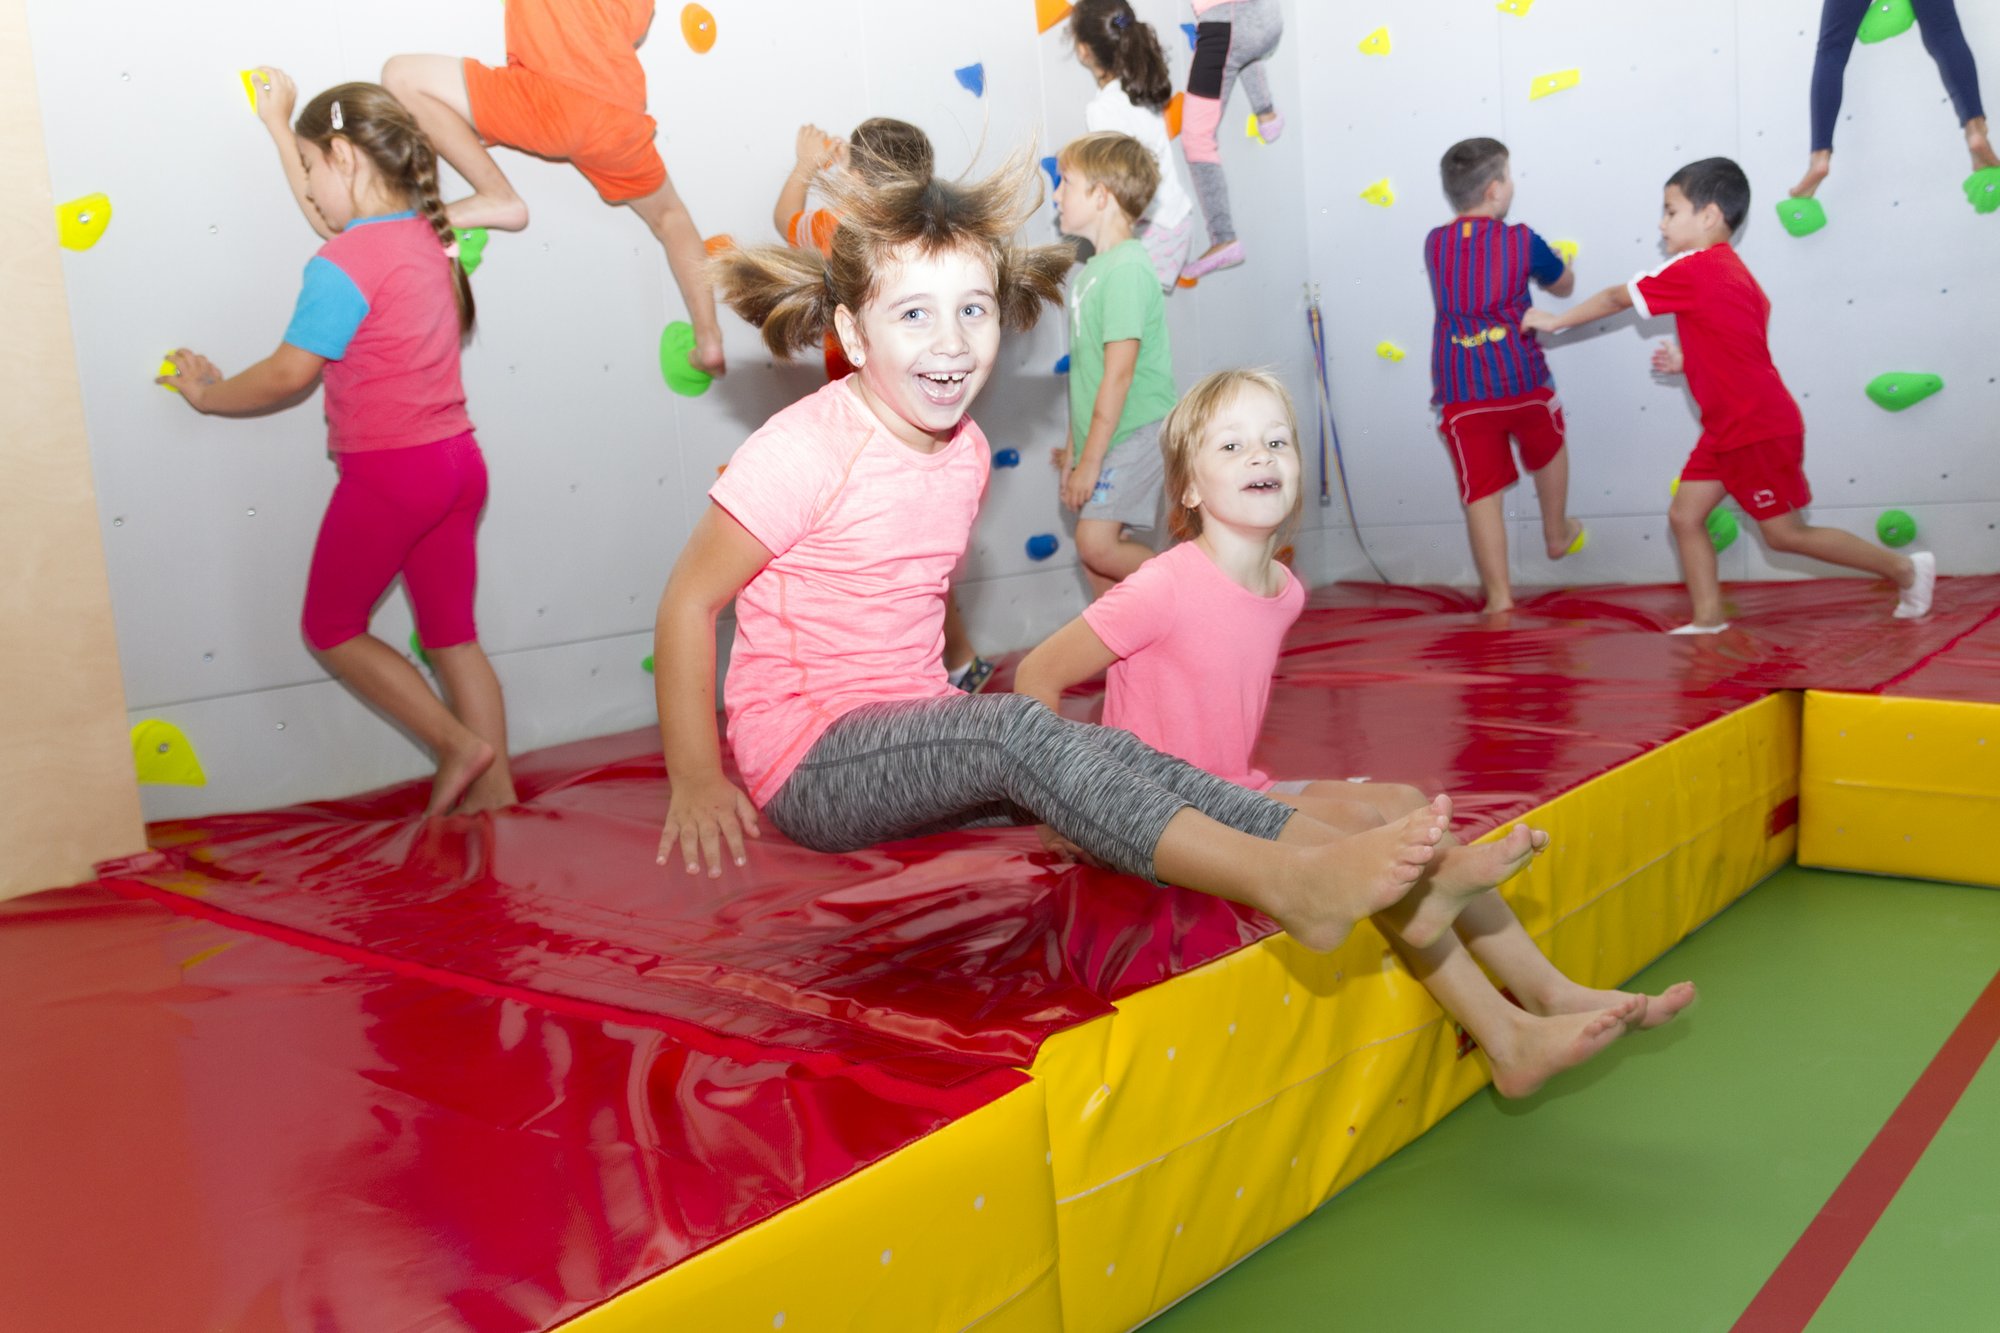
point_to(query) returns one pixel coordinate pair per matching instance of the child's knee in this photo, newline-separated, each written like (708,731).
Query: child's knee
(1200,118)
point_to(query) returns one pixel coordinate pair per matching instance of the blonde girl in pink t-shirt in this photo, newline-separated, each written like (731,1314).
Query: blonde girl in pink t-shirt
(835,528)
(1189,644)
(383,310)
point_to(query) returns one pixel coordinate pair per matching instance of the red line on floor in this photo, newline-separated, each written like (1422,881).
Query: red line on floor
(1795,1289)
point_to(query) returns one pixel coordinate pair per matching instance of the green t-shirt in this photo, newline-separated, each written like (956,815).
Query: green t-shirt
(1115,297)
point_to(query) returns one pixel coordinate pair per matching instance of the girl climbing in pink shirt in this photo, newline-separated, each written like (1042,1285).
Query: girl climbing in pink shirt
(379,321)
(835,529)
(1189,644)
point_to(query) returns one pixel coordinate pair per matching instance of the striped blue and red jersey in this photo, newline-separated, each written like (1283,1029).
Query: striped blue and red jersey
(1480,268)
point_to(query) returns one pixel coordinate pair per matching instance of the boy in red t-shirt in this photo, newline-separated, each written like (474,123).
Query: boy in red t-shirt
(1752,443)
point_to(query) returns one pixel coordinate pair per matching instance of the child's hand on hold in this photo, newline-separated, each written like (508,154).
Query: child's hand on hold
(704,815)
(194,375)
(276,96)
(1539,321)
(1667,358)
(817,150)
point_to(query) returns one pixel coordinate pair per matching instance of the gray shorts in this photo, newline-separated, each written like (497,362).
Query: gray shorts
(1133,477)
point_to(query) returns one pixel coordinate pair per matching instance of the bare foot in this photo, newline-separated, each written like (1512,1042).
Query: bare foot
(1575,999)
(1559,547)
(479,210)
(1338,883)
(491,790)
(1983,155)
(1822,163)
(1463,872)
(457,770)
(1537,1049)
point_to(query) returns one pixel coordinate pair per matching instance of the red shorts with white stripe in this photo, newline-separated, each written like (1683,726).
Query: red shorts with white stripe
(1767,478)
(1477,435)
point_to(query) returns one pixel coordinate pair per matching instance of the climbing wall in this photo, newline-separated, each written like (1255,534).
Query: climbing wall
(598,470)
(1895,282)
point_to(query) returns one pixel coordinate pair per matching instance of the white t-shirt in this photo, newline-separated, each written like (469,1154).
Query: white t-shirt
(1111,109)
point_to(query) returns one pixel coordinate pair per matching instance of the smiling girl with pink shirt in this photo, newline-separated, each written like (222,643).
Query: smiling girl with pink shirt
(835,529)
(1189,643)
(379,320)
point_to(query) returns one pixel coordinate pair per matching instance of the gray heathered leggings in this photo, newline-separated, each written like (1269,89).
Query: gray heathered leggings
(898,770)
(1231,40)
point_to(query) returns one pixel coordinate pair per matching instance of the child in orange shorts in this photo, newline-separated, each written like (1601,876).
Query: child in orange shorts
(571,90)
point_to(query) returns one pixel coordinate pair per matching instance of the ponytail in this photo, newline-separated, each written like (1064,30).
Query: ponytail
(1124,48)
(370,118)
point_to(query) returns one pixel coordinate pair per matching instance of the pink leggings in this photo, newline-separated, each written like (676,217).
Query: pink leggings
(410,511)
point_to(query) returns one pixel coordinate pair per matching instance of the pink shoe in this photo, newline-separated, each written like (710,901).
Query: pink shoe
(1229,256)
(1269,126)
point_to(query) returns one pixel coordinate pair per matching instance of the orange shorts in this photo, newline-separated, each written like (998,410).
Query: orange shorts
(1767,478)
(611,145)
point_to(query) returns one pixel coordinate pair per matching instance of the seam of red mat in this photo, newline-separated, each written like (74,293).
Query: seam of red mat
(1905,674)
(1793,1293)
(946,1100)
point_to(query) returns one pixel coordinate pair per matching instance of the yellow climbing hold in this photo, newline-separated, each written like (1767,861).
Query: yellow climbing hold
(1376,43)
(80,222)
(163,755)
(1567,249)
(1381,193)
(250,86)
(167,368)
(1553,83)
(1250,130)
(1388,351)
(1518,8)
(698,27)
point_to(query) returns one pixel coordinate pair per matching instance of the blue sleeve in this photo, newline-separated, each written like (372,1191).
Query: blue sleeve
(1546,265)
(330,309)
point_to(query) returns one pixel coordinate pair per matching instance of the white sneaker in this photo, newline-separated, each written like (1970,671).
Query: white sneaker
(1700,629)
(1915,600)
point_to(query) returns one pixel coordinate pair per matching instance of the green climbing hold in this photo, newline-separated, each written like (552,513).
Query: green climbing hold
(1982,189)
(471,248)
(417,649)
(681,374)
(1886,19)
(1899,389)
(1896,527)
(1802,217)
(1722,528)
(648,664)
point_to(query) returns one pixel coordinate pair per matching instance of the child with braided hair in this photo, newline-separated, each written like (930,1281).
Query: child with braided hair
(384,308)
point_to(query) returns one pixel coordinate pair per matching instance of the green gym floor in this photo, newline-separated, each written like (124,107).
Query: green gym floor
(1659,1188)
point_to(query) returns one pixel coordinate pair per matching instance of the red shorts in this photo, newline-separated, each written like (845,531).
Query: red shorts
(1477,434)
(1767,478)
(611,145)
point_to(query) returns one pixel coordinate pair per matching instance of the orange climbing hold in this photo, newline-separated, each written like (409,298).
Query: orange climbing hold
(1048,13)
(1174,116)
(718,244)
(698,26)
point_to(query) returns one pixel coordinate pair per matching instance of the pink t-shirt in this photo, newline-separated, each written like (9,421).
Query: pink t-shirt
(864,532)
(1196,650)
(379,304)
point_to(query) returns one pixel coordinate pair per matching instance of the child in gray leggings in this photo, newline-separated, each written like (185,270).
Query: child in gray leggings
(835,528)
(1232,38)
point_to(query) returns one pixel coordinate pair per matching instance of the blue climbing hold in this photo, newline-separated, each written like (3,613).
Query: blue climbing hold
(1007,458)
(972,78)
(1042,545)
(1055,176)
(1062,365)
(1190,30)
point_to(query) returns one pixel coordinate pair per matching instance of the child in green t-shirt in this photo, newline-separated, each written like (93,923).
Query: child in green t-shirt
(1121,373)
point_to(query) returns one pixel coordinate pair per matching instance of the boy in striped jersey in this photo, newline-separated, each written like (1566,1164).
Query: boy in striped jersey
(1489,381)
